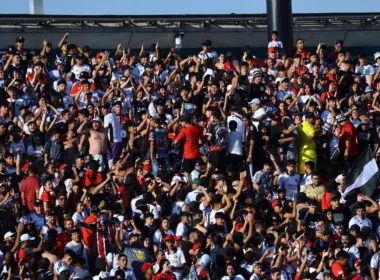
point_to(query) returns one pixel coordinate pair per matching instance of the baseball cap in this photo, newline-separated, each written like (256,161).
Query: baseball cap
(369,89)
(257,263)
(206,43)
(219,177)
(335,195)
(9,234)
(197,246)
(26,237)
(272,50)
(327,272)
(146,266)
(20,39)
(340,118)
(339,41)
(52,213)
(275,203)
(365,121)
(255,100)
(84,75)
(376,55)
(26,166)
(96,119)
(197,181)
(38,202)
(169,237)
(61,167)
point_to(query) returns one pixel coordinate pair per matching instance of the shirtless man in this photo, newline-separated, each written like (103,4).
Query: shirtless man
(98,141)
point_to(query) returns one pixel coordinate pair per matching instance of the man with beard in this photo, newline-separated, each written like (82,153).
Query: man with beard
(97,139)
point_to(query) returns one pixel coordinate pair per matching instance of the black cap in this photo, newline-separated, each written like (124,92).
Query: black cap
(86,49)
(20,39)
(229,54)
(312,203)
(11,49)
(52,213)
(38,202)
(79,56)
(206,43)
(94,209)
(106,105)
(335,195)
(339,41)
(84,75)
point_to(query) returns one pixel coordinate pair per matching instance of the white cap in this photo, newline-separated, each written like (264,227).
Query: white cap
(255,100)
(97,119)
(26,237)
(377,55)
(8,234)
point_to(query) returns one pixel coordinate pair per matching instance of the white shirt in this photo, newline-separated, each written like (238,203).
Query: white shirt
(79,69)
(77,248)
(258,113)
(290,184)
(365,71)
(45,230)
(275,44)
(236,277)
(181,230)
(59,264)
(111,119)
(238,119)
(375,262)
(234,143)
(176,259)
(114,259)
(128,273)
(360,222)
(306,180)
(191,196)
(213,55)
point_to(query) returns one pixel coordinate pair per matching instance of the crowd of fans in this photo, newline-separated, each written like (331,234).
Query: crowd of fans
(151,165)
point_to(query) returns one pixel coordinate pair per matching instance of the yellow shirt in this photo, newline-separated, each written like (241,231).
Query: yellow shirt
(315,193)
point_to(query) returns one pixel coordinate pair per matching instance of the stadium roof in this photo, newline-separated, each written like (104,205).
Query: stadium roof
(356,29)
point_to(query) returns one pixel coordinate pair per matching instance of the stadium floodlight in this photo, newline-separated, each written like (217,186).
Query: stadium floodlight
(36,7)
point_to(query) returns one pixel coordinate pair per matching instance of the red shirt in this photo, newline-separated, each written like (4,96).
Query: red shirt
(192,134)
(47,197)
(338,270)
(88,234)
(87,181)
(167,276)
(348,129)
(29,186)
(62,239)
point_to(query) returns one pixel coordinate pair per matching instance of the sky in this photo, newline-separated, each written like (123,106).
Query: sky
(154,7)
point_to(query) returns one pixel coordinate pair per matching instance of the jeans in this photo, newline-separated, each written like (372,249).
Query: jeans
(162,161)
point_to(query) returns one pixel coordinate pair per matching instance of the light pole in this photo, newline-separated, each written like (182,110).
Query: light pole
(36,7)
(280,19)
